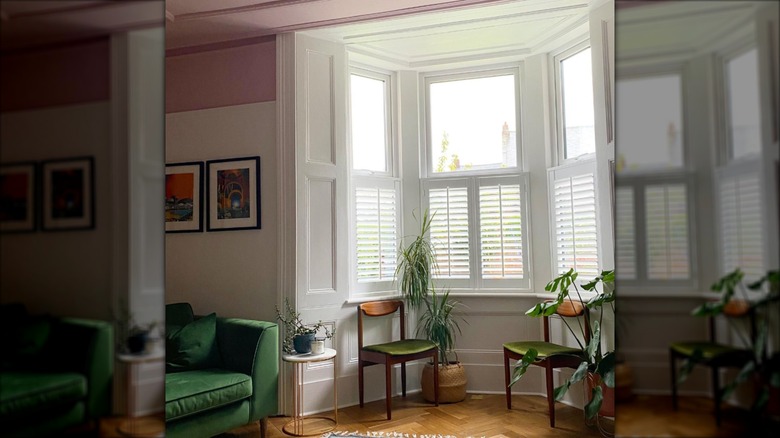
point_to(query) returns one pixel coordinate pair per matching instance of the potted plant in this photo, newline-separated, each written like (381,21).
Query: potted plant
(597,366)
(297,335)
(761,297)
(438,324)
(415,266)
(131,337)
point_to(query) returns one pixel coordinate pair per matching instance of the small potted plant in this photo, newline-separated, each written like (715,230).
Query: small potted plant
(297,335)
(416,264)
(438,324)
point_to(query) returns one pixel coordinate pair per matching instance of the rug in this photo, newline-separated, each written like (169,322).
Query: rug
(381,435)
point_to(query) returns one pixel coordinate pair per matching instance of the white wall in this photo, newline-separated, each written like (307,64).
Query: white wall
(61,272)
(232,273)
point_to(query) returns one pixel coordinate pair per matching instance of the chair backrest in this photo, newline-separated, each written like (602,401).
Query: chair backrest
(569,309)
(379,308)
(736,309)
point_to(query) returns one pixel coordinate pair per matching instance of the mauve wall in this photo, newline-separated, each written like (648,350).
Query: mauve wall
(220,78)
(67,75)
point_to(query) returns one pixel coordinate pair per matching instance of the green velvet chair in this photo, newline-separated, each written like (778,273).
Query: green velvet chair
(239,389)
(56,373)
(713,354)
(550,355)
(391,353)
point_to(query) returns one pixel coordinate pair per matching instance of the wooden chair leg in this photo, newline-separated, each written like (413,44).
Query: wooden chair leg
(436,377)
(403,379)
(506,380)
(388,388)
(360,381)
(716,393)
(550,395)
(673,368)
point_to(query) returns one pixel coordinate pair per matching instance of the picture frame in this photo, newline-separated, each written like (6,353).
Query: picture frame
(18,197)
(233,187)
(68,194)
(184,197)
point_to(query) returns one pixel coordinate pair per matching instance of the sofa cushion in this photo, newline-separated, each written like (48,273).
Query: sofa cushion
(191,392)
(178,315)
(193,346)
(25,393)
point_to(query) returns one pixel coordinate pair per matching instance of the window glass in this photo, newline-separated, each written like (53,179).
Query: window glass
(577,96)
(369,127)
(650,129)
(473,124)
(744,107)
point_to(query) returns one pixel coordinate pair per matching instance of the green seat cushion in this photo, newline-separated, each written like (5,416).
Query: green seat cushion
(193,346)
(545,349)
(190,392)
(24,393)
(710,350)
(398,348)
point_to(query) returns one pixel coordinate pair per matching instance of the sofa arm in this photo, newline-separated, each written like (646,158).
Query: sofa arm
(252,347)
(87,347)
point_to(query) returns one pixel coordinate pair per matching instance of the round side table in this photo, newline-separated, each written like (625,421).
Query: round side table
(132,426)
(300,425)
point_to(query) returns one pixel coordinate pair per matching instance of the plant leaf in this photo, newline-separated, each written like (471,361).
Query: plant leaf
(522,365)
(606,369)
(688,365)
(593,406)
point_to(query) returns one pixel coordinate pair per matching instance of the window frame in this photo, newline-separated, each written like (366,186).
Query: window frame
(367,178)
(476,285)
(391,154)
(425,118)
(726,148)
(556,58)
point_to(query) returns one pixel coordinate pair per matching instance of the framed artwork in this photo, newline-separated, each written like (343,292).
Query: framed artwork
(233,194)
(68,194)
(17,197)
(184,197)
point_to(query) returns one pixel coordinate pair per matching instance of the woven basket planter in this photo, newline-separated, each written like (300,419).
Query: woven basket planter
(452,383)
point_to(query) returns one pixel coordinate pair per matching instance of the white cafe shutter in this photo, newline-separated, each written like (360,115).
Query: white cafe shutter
(625,234)
(376,236)
(666,222)
(450,230)
(501,238)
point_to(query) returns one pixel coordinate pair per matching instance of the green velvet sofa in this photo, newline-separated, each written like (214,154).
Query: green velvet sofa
(237,387)
(55,374)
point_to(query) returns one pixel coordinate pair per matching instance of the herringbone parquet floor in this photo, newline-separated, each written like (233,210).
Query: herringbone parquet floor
(478,416)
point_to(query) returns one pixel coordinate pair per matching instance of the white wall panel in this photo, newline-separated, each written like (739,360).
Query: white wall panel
(321,254)
(320,105)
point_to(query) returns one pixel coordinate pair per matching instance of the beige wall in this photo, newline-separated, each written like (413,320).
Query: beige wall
(233,273)
(60,272)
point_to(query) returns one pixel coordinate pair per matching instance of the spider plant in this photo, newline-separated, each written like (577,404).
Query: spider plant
(415,267)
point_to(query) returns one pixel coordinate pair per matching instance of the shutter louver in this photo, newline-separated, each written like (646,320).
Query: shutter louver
(376,233)
(575,225)
(741,218)
(666,211)
(500,231)
(625,234)
(450,231)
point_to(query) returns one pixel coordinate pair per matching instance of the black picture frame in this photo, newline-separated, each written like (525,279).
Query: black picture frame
(68,194)
(19,197)
(181,222)
(231,203)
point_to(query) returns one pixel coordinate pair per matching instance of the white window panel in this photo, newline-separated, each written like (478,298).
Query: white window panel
(668,254)
(501,231)
(741,220)
(576,88)
(574,219)
(370,122)
(625,234)
(450,231)
(743,107)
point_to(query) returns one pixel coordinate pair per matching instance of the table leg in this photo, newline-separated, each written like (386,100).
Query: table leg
(335,394)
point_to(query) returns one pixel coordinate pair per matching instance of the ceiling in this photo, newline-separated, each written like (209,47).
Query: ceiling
(26,24)
(672,32)
(425,34)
